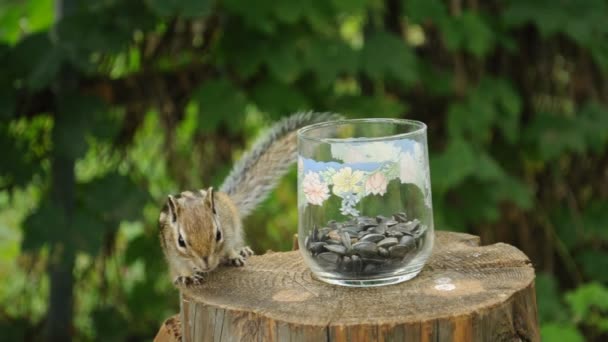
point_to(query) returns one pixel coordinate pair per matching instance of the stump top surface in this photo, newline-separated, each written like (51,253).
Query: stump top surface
(460,277)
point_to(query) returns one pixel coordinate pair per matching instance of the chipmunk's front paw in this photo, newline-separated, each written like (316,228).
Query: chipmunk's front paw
(246,252)
(237,260)
(183,281)
(199,278)
(188,281)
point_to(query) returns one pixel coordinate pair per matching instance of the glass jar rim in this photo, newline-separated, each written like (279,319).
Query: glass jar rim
(420,127)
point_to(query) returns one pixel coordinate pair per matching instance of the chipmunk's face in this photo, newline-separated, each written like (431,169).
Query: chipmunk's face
(192,236)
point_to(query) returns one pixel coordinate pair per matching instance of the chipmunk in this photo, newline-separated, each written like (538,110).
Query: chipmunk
(200,230)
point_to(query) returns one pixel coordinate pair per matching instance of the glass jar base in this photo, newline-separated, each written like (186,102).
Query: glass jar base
(389,280)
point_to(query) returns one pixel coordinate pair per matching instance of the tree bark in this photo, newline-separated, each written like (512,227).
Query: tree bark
(61,261)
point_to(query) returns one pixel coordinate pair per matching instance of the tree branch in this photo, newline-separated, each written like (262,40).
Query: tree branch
(133,91)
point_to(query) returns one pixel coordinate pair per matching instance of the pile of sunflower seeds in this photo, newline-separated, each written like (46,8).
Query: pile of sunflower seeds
(366,245)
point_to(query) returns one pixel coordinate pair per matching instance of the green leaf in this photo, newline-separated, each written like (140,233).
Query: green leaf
(320,15)
(329,58)
(438,82)
(73,122)
(110,324)
(420,11)
(594,263)
(552,135)
(470,32)
(45,70)
(488,169)
(493,102)
(461,124)
(105,124)
(146,247)
(138,247)
(258,17)
(289,11)
(599,52)
(84,33)
(471,202)
(285,66)
(595,216)
(124,202)
(350,6)
(593,118)
(566,227)
(243,49)
(581,20)
(45,225)
(453,165)
(218,101)
(479,183)
(35,59)
(550,307)
(186,8)
(277,99)
(24,148)
(106,28)
(97,210)
(544,13)
(554,332)
(442,218)
(10,14)
(368,106)
(87,232)
(22,18)
(514,190)
(478,37)
(139,297)
(385,55)
(585,298)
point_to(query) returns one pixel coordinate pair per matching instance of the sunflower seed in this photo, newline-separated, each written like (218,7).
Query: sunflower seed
(388,242)
(372,237)
(398,251)
(365,248)
(316,247)
(338,249)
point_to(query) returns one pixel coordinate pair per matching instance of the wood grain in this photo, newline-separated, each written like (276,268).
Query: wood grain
(170,331)
(464,293)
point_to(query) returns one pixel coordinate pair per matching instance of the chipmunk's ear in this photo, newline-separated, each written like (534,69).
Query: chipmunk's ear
(210,200)
(210,203)
(172,208)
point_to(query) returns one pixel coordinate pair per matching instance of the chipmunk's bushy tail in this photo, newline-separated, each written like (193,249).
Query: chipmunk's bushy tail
(260,169)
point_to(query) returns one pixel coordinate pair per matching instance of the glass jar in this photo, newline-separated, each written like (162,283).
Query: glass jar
(364,200)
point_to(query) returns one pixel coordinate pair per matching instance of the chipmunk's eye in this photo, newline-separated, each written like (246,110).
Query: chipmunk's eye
(181,241)
(218,235)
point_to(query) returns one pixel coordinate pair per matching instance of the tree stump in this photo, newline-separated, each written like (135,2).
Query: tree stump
(464,293)
(170,331)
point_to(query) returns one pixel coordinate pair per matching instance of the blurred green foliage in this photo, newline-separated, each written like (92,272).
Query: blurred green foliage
(110,105)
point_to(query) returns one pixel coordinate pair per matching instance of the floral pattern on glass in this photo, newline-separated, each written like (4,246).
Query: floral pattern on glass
(315,190)
(366,170)
(376,184)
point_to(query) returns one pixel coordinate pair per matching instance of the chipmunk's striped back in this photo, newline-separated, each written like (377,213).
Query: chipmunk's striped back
(260,169)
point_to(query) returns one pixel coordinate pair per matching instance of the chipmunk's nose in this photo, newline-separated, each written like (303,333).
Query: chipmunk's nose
(206,261)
